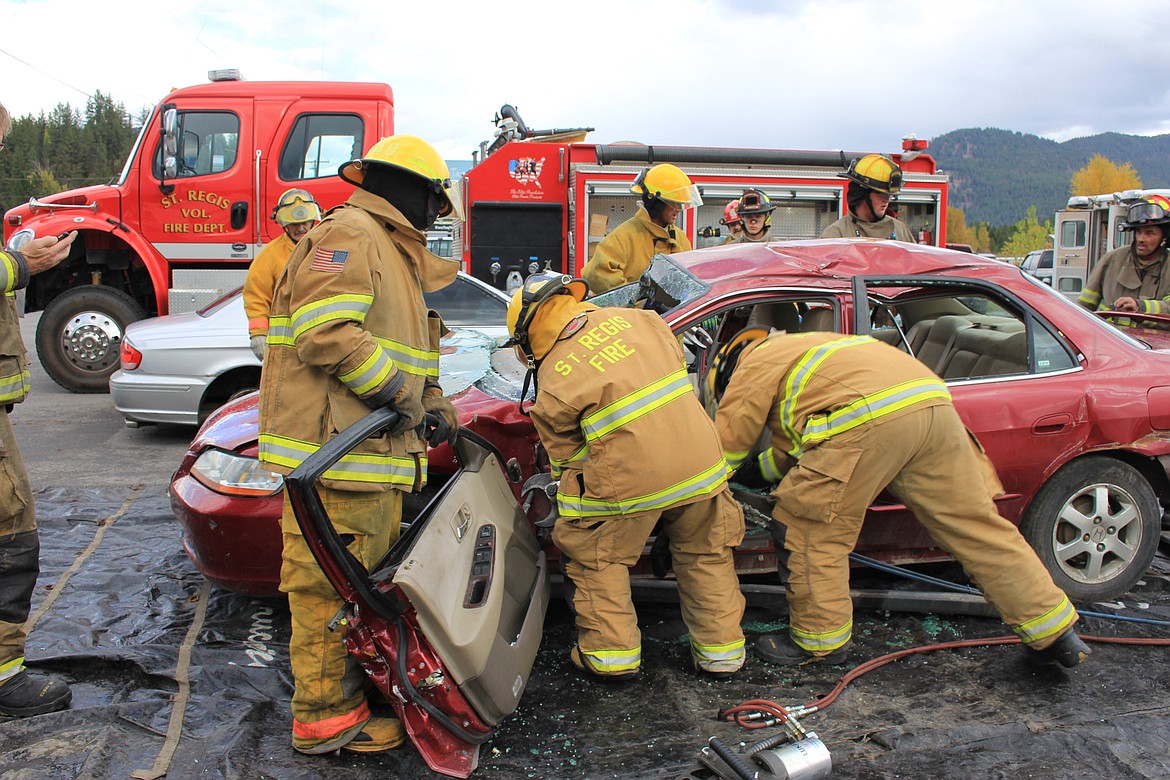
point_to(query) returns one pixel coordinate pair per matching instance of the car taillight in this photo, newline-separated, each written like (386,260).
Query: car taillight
(131,358)
(235,475)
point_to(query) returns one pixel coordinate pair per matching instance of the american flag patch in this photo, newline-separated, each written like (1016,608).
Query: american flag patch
(331,261)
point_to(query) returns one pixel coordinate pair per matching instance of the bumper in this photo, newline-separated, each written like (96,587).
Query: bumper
(153,398)
(233,541)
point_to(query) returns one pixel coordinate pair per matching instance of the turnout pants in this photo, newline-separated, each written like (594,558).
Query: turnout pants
(930,462)
(329,696)
(601,552)
(19,551)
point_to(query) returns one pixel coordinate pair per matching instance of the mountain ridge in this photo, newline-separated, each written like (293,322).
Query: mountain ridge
(995,174)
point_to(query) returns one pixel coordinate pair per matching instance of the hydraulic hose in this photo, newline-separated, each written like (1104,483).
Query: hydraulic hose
(762,713)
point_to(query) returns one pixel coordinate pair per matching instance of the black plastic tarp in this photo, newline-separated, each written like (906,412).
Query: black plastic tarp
(116,630)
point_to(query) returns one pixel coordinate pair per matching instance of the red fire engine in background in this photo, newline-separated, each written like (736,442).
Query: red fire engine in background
(179,225)
(543,199)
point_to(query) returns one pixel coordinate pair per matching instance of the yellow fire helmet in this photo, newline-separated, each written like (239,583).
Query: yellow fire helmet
(669,183)
(875,172)
(294,207)
(727,357)
(537,289)
(410,153)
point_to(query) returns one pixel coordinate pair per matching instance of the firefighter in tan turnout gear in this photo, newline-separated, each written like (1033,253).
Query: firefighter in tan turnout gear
(630,444)
(873,181)
(22,693)
(625,254)
(349,332)
(1135,277)
(296,212)
(854,416)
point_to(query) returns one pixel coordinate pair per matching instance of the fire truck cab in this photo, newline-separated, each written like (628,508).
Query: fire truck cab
(191,207)
(544,199)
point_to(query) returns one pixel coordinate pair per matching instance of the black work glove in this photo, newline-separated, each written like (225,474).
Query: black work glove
(410,409)
(441,423)
(749,474)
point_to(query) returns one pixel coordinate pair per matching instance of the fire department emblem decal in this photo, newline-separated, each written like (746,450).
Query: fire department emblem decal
(526,170)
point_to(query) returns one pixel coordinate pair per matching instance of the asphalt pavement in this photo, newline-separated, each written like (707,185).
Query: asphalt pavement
(71,440)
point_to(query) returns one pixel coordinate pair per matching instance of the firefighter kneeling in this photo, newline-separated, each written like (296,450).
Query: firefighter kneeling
(858,416)
(630,444)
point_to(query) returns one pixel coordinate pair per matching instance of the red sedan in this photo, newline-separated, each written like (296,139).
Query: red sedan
(1073,411)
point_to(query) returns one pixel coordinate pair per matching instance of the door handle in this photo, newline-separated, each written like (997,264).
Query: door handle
(1052,423)
(239,214)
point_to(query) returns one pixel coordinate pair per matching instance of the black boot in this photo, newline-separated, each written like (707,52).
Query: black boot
(26,694)
(1067,651)
(779,649)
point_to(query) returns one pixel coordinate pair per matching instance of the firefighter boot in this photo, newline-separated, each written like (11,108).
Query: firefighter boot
(372,736)
(1068,651)
(26,694)
(779,649)
(584,665)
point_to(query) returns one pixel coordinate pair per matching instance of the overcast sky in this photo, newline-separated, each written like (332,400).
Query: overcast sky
(799,74)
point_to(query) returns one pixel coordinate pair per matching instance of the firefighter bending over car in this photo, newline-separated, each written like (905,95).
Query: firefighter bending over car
(631,445)
(625,254)
(852,416)
(873,181)
(1135,277)
(349,332)
(296,212)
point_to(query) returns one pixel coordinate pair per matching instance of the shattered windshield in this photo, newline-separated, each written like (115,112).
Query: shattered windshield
(665,282)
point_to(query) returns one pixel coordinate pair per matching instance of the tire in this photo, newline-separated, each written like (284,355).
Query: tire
(80,335)
(1095,525)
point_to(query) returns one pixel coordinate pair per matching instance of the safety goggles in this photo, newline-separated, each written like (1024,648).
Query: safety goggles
(1145,212)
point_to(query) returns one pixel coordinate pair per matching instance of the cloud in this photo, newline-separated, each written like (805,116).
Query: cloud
(823,74)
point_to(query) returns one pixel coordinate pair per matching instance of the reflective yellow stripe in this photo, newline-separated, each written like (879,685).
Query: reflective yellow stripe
(612,661)
(280,332)
(12,668)
(15,387)
(701,484)
(822,643)
(872,407)
(559,465)
(335,307)
(725,652)
(769,466)
(798,379)
(636,404)
(734,459)
(372,373)
(9,270)
(354,467)
(419,362)
(1052,623)
(1090,298)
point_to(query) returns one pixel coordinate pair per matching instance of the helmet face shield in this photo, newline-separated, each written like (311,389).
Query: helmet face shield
(668,183)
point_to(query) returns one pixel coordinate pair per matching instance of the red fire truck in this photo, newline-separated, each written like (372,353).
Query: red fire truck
(190,209)
(544,199)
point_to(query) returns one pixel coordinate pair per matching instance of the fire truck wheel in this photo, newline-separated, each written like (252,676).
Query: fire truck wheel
(80,334)
(1095,524)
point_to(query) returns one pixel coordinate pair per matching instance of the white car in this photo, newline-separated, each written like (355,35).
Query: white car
(180,368)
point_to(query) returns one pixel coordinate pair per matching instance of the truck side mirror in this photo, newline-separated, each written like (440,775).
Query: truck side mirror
(169,129)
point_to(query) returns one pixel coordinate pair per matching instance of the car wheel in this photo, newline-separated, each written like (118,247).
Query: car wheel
(1095,525)
(79,337)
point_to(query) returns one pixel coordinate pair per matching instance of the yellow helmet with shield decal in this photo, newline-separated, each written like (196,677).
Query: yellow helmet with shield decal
(875,172)
(295,207)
